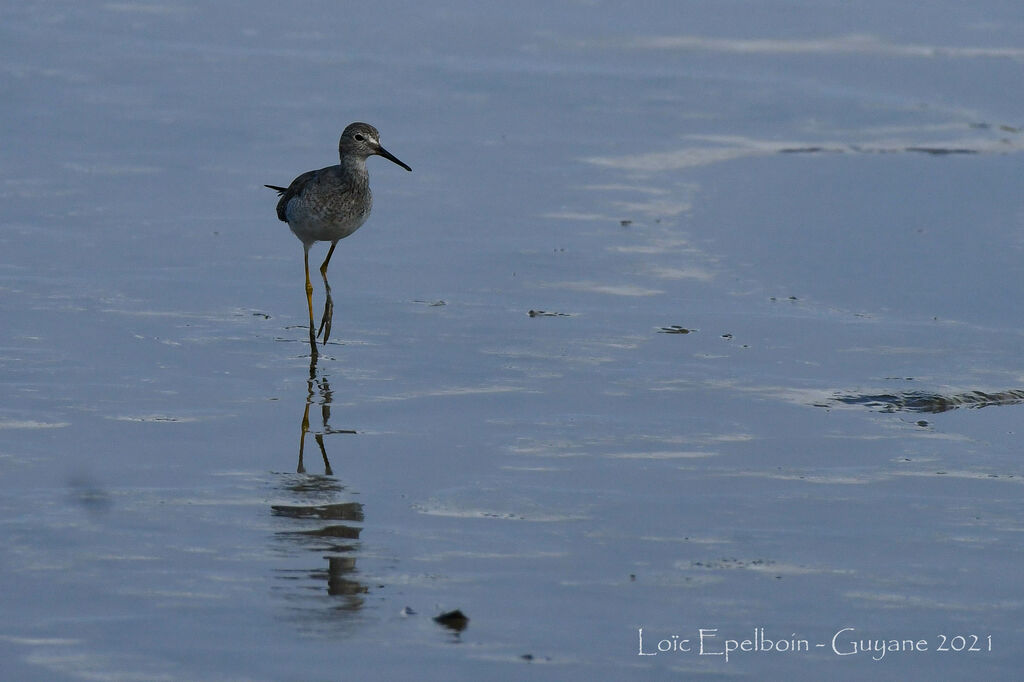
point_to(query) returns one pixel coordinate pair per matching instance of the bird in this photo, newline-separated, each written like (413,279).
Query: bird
(329,204)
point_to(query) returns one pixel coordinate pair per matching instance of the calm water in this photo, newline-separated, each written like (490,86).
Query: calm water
(770,388)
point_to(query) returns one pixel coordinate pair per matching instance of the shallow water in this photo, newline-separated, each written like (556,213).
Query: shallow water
(656,335)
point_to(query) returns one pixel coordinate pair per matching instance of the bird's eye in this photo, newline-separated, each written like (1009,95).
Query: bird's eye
(359,137)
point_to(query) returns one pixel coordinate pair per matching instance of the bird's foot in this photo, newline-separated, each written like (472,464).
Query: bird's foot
(325,321)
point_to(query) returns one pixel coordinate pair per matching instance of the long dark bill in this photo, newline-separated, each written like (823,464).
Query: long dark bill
(391,157)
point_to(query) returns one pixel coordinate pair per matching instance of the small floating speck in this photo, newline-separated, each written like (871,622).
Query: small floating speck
(545,313)
(675,329)
(625,223)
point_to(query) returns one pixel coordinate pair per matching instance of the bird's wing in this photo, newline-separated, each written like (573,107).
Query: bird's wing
(293,190)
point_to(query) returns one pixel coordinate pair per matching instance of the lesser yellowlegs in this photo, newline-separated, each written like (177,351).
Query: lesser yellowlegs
(330,204)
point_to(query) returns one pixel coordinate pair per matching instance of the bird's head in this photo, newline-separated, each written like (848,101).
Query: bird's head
(363,140)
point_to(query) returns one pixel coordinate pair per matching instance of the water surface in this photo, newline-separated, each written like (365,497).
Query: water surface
(690,317)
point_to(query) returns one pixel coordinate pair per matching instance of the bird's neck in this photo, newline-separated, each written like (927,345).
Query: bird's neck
(352,161)
(355,166)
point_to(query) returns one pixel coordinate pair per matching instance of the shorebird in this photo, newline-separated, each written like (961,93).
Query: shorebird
(329,204)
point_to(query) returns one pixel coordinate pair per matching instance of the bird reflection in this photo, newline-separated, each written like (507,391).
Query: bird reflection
(318,389)
(325,523)
(332,536)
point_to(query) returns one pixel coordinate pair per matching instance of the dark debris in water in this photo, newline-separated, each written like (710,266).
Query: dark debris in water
(940,151)
(545,313)
(808,150)
(675,329)
(934,150)
(731,563)
(1003,127)
(453,620)
(89,495)
(920,401)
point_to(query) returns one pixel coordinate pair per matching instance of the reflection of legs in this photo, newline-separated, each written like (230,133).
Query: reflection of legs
(328,317)
(301,469)
(325,322)
(309,301)
(325,392)
(323,451)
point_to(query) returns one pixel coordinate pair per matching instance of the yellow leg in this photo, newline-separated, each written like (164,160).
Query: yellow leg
(325,321)
(309,301)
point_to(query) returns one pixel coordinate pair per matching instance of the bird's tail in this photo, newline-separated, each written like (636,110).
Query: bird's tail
(279,190)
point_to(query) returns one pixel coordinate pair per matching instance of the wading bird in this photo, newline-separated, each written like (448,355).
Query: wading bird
(329,204)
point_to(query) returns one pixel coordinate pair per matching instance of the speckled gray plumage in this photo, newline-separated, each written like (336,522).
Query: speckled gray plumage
(328,204)
(331,203)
